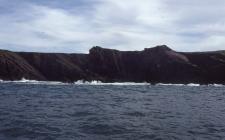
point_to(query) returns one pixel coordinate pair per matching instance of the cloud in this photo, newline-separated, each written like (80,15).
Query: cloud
(53,26)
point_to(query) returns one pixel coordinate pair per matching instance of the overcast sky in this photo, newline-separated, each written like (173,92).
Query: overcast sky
(77,25)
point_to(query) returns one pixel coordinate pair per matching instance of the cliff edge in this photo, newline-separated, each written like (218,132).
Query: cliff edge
(154,65)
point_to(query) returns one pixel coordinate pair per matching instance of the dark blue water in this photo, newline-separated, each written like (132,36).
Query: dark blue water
(85,112)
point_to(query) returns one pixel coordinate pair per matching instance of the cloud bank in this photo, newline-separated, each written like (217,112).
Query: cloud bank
(76,26)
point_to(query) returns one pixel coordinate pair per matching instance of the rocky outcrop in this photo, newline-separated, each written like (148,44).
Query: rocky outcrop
(14,67)
(159,64)
(155,65)
(58,67)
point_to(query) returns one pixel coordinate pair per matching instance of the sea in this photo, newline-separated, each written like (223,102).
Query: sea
(32,110)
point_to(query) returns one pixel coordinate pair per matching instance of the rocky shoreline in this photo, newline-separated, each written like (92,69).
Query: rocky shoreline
(153,65)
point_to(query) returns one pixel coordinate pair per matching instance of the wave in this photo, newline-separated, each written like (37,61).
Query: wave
(162,84)
(27,81)
(193,85)
(190,85)
(216,85)
(81,82)
(95,82)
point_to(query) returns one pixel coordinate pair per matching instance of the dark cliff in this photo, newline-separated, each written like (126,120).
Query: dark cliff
(155,65)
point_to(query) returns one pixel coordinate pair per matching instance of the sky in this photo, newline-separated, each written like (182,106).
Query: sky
(74,26)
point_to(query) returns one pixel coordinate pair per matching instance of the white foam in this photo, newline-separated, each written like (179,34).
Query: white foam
(216,85)
(193,85)
(190,85)
(26,81)
(81,82)
(162,84)
(23,80)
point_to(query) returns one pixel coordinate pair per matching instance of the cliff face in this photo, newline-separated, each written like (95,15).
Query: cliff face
(14,67)
(58,67)
(159,64)
(156,65)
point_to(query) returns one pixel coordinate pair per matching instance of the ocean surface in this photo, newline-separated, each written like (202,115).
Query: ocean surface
(119,111)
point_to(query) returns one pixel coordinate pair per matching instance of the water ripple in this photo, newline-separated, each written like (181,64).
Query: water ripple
(87,112)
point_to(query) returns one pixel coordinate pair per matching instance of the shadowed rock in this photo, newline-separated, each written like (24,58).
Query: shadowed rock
(156,65)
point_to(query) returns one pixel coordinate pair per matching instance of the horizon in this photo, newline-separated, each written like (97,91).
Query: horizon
(109,49)
(73,26)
